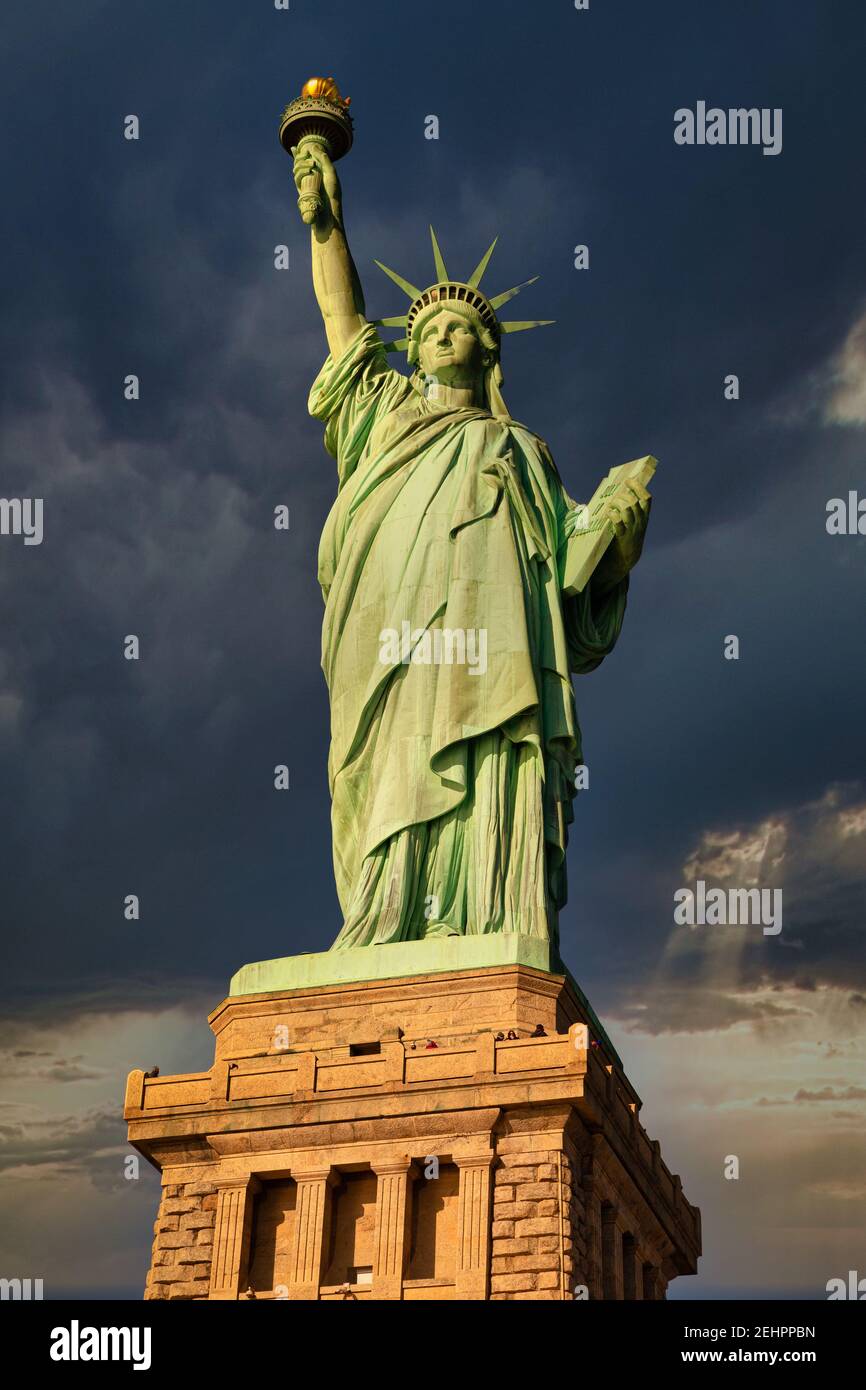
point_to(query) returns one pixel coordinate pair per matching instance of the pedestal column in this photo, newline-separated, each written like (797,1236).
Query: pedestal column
(592,1208)
(632,1269)
(393,1209)
(232,1233)
(473,1226)
(611,1253)
(312,1231)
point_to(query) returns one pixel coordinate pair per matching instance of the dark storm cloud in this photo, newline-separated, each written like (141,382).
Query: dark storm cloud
(59,1069)
(76,1141)
(691,1008)
(849,1093)
(713,977)
(60,1003)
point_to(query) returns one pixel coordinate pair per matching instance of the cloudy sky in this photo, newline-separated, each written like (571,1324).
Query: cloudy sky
(156,257)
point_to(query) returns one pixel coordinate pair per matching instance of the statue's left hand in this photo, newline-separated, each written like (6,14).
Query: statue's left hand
(311,155)
(628,510)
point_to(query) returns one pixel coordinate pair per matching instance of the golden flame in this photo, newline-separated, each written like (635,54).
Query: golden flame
(324,87)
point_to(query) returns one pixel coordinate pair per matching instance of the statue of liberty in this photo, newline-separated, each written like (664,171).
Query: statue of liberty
(449,642)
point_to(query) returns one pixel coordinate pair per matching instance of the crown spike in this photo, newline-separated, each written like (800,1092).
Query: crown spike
(509,294)
(397,321)
(398,345)
(441,272)
(475,278)
(518,325)
(411,290)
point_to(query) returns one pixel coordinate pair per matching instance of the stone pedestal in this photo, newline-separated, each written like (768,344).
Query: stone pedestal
(458,1134)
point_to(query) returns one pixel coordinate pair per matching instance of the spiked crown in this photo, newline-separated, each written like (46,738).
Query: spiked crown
(458,292)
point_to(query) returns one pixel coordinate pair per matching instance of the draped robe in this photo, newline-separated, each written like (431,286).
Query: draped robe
(451,787)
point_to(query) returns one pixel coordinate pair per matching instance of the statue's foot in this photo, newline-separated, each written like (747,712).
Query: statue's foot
(440,929)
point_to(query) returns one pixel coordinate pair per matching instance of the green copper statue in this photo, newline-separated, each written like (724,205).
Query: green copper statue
(450,634)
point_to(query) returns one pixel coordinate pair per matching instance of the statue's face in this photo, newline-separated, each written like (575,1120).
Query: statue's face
(449,349)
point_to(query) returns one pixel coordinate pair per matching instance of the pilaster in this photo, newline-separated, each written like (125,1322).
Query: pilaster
(232,1232)
(473,1226)
(393,1209)
(312,1231)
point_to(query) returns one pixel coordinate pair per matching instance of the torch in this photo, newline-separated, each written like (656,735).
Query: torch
(318,116)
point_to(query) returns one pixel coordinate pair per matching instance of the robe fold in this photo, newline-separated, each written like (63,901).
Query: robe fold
(447,648)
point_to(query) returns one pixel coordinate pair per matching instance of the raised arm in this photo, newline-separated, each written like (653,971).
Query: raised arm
(335,279)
